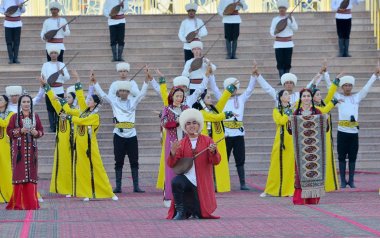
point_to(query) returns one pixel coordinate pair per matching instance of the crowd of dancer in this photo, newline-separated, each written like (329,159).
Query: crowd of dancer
(199,133)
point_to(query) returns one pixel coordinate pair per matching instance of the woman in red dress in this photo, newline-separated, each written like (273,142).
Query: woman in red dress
(24,128)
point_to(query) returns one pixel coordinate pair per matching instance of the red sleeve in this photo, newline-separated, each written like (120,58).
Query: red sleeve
(12,131)
(171,124)
(39,127)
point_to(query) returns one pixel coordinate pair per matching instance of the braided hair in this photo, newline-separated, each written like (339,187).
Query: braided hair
(279,103)
(314,91)
(6,99)
(313,109)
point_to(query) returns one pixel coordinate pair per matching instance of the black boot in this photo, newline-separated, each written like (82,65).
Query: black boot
(346,46)
(15,53)
(241,173)
(10,53)
(179,206)
(341,48)
(228,48)
(233,51)
(118,175)
(114,53)
(120,49)
(342,172)
(135,178)
(351,173)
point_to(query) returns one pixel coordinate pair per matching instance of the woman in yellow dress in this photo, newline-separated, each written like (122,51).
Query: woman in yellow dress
(62,172)
(6,187)
(280,181)
(90,179)
(213,127)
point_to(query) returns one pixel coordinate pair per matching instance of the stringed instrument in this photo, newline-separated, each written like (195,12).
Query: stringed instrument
(54,77)
(192,35)
(198,62)
(283,23)
(50,34)
(230,9)
(183,165)
(344,4)
(116,9)
(12,9)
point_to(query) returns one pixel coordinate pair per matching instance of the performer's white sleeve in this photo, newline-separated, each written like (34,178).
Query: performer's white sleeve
(293,25)
(136,100)
(181,32)
(186,69)
(106,8)
(326,77)
(66,76)
(266,87)
(245,6)
(191,99)
(364,91)
(203,31)
(44,30)
(90,92)
(38,98)
(126,7)
(335,5)
(67,32)
(251,86)
(2,8)
(214,87)
(273,27)
(102,94)
(156,86)
(221,7)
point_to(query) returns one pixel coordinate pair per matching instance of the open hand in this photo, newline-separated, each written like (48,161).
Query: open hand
(175,145)
(75,75)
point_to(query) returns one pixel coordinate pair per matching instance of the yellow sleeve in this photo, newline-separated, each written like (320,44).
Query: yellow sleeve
(5,122)
(330,93)
(208,116)
(81,99)
(278,118)
(71,111)
(164,94)
(56,105)
(91,120)
(223,100)
(326,109)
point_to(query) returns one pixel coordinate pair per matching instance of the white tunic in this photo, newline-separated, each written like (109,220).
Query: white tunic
(350,105)
(236,104)
(230,18)
(123,110)
(50,68)
(108,5)
(197,74)
(335,6)
(5,4)
(54,24)
(288,31)
(191,175)
(188,25)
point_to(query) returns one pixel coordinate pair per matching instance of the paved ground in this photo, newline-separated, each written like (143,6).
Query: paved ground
(347,213)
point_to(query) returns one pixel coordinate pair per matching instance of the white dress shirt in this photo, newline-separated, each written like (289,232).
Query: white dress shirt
(289,30)
(54,24)
(5,4)
(196,74)
(108,5)
(230,18)
(335,4)
(50,68)
(188,25)
(191,175)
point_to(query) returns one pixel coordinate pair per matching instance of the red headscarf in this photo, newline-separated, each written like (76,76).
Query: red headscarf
(172,92)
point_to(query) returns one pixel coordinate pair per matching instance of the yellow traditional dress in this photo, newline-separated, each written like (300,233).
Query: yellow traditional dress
(6,187)
(62,172)
(280,181)
(221,171)
(90,177)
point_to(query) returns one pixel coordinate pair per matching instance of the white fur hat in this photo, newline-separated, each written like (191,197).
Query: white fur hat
(70,89)
(229,81)
(53,48)
(282,3)
(348,79)
(55,4)
(191,6)
(196,44)
(181,81)
(191,114)
(13,90)
(123,85)
(288,77)
(123,66)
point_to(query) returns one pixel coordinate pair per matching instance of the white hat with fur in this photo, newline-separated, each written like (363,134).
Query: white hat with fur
(283,3)
(53,48)
(13,90)
(181,81)
(55,4)
(196,44)
(191,6)
(288,77)
(191,114)
(123,66)
(348,79)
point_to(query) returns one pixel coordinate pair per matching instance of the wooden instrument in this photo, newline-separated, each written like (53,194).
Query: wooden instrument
(281,25)
(344,4)
(183,165)
(134,76)
(229,10)
(53,78)
(116,9)
(197,63)
(50,34)
(12,9)
(192,35)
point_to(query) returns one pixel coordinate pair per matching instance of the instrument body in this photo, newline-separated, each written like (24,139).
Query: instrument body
(192,35)
(116,9)
(230,9)
(12,9)
(54,77)
(50,34)
(344,4)
(283,23)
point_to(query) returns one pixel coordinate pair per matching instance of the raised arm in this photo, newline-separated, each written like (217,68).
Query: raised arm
(50,94)
(91,120)
(364,91)
(249,90)
(191,99)
(38,98)
(266,87)
(139,96)
(214,87)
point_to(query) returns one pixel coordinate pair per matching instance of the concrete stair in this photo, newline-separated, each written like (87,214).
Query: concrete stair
(153,39)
